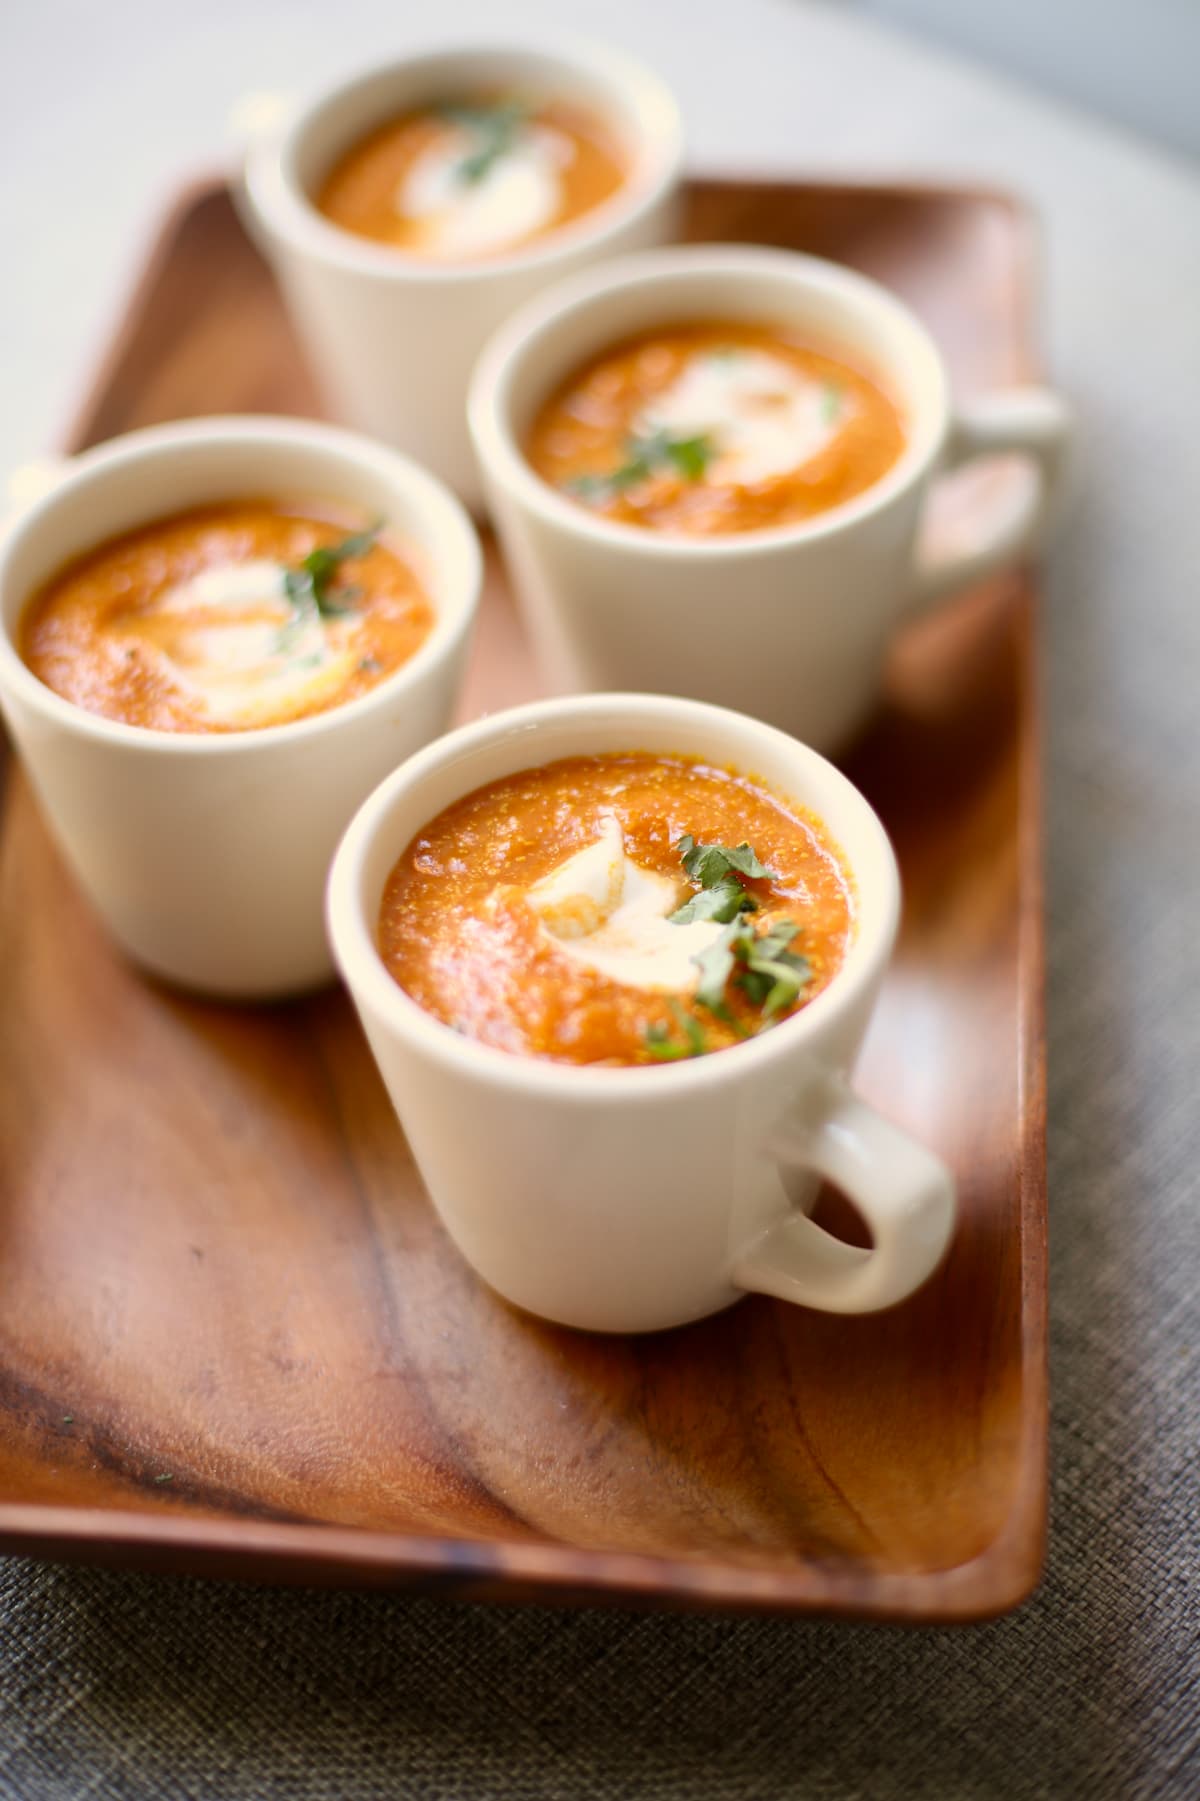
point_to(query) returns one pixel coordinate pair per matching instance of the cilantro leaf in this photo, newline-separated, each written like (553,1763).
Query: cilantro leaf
(709,864)
(689,455)
(743,859)
(762,965)
(661,1045)
(646,456)
(591,487)
(783,981)
(716,966)
(772,976)
(718,870)
(307,585)
(775,940)
(722,902)
(494,130)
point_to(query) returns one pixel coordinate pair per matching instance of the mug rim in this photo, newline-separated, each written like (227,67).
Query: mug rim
(506,357)
(352,935)
(273,183)
(454,611)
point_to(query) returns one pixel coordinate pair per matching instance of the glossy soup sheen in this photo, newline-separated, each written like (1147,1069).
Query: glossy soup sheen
(601,441)
(457,935)
(113,633)
(473,176)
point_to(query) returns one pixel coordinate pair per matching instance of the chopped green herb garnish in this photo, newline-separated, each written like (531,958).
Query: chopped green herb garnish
(593,487)
(164,1478)
(716,967)
(308,586)
(769,974)
(68,1419)
(831,402)
(709,863)
(761,965)
(645,457)
(689,455)
(722,902)
(660,1044)
(494,130)
(718,869)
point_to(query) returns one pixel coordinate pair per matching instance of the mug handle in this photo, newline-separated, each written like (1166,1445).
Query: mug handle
(904,1192)
(1031,422)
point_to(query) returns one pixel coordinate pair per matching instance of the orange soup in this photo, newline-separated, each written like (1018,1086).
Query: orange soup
(476,176)
(228,618)
(715,427)
(624,909)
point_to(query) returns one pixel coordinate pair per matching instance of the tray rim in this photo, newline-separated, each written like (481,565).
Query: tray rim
(994,1582)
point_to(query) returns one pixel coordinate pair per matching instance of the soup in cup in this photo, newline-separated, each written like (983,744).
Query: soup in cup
(406,212)
(710,469)
(216,638)
(233,616)
(714,428)
(475,174)
(635,942)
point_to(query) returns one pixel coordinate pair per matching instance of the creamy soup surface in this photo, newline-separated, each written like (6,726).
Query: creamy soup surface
(473,176)
(620,909)
(715,427)
(228,617)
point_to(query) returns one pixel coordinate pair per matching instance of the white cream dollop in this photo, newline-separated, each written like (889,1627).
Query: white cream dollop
(609,913)
(518,194)
(230,639)
(764,415)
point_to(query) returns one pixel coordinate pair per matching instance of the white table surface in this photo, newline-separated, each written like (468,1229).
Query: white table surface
(1091,1690)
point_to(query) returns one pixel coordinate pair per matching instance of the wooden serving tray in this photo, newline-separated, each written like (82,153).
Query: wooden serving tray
(234,1338)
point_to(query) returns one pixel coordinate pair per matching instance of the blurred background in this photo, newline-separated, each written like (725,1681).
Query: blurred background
(1134,61)
(110,106)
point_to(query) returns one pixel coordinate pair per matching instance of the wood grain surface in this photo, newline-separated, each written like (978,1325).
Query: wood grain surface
(233,1337)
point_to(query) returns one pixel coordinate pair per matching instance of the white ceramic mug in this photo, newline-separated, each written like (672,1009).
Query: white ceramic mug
(791,624)
(391,337)
(630,1199)
(206,853)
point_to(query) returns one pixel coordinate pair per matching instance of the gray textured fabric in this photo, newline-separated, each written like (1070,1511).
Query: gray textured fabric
(121,1687)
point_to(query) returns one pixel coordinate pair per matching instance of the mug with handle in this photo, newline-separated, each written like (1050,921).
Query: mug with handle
(790,623)
(632,1199)
(205,853)
(392,337)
